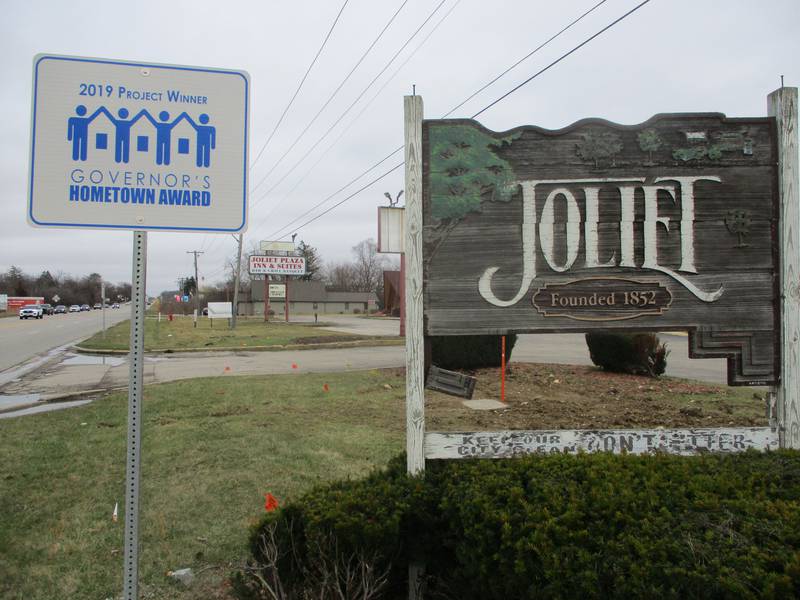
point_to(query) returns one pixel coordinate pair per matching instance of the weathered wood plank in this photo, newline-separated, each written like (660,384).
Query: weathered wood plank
(682,208)
(684,442)
(783,106)
(415,357)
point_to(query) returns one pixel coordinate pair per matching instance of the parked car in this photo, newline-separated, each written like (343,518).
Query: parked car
(74,308)
(115,305)
(85,307)
(98,306)
(60,310)
(47,308)
(31,311)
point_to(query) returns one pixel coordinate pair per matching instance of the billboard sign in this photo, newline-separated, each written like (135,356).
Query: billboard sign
(139,146)
(667,225)
(277,265)
(274,246)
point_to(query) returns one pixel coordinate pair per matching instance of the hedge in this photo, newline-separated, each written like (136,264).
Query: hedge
(470,351)
(564,526)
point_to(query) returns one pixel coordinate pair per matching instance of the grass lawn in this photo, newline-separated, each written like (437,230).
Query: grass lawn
(180,334)
(211,448)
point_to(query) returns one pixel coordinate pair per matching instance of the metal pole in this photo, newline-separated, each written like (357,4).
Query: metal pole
(503,369)
(103,305)
(236,285)
(136,360)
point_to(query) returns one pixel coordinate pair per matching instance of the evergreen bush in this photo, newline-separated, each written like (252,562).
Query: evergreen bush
(470,351)
(561,526)
(633,353)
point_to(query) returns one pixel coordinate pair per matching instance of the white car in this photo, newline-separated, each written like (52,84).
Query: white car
(31,311)
(75,308)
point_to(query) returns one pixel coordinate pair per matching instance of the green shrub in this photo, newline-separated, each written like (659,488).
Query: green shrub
(470,351)
(634,353)
(561,526)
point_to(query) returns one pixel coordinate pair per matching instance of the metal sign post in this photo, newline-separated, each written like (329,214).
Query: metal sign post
(136,358)
(140,147)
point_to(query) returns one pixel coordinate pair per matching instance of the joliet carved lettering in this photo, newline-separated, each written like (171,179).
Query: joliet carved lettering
(679,189)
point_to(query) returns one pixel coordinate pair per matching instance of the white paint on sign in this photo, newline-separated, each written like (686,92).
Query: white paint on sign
(277,265)
(626,188)
(685,442)
(277,290)
(125,145)
(220,310)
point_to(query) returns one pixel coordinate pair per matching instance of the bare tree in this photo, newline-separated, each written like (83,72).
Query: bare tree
(341,276)
(368,266)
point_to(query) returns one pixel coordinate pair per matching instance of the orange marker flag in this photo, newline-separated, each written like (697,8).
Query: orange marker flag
(270,502)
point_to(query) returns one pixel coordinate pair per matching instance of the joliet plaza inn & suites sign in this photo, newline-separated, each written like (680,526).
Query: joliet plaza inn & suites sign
(124,145)
(669,225)
(277,265)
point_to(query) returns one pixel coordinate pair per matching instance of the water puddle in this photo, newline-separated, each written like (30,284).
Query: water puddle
(86,359)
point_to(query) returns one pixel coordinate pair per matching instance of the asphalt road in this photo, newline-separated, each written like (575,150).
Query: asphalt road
(21,340)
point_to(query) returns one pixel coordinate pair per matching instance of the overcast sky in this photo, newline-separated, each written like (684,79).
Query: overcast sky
(669,56)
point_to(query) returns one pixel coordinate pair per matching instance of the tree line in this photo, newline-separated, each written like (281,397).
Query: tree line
(69,289)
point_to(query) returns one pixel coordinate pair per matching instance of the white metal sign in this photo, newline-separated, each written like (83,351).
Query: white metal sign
(277,291)
(277,265)
(124,145)
(270,246)
(220,310)
(3,301)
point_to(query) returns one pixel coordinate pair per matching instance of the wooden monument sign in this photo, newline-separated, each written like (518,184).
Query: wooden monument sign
(668,225)
(685,222)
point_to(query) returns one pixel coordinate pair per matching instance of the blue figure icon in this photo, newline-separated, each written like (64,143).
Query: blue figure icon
(122,138)
(78,132)
(206,141)
(163,135)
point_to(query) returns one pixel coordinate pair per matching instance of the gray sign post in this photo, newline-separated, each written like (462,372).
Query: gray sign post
(210,120)
(138,304)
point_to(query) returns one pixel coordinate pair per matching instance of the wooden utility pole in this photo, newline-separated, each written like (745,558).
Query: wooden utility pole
(236,284)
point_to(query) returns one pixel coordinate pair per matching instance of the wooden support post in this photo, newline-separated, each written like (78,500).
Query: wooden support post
(415,343)
(266,298)
(783,106)
(286,297)
(415,355)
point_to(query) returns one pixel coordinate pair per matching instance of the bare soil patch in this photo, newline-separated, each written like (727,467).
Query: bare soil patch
(542,396)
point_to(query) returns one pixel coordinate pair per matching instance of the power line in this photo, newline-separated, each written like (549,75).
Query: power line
(294,96)
(526,57)
(516,88)
(349,108)
(562,57)
(302,81)
(332,96)
(347,128)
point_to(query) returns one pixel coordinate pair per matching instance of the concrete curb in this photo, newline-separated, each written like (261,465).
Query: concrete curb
(276,348)
(55,398)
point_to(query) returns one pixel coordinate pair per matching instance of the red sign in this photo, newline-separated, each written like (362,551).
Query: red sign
(277,265)
(17,302)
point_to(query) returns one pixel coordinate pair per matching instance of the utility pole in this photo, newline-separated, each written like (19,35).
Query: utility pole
(196,280)
(236,283)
